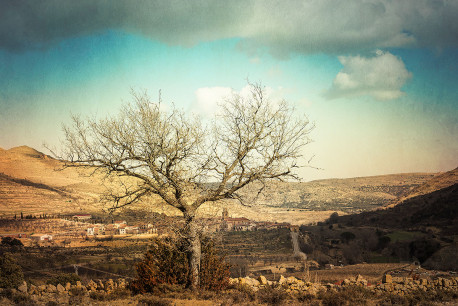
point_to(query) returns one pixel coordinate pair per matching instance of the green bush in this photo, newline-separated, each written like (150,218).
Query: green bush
(167,263)
(10,272)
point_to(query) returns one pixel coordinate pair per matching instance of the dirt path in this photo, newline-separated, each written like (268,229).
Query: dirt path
(296,250)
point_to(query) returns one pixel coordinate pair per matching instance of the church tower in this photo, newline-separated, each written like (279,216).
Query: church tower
(225,214)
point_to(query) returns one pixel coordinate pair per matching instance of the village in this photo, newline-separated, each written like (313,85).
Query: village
(41,229)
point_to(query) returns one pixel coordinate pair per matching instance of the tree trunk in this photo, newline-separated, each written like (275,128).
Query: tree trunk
(194,249)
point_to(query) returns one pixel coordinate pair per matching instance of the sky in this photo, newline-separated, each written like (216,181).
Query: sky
(377,78)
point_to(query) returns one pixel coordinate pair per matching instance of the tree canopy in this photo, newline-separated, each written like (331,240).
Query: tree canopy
(186,163)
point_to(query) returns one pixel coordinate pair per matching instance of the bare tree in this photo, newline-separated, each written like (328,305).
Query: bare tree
(186,163)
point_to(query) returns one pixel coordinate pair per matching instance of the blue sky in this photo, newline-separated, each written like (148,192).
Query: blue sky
(378,78)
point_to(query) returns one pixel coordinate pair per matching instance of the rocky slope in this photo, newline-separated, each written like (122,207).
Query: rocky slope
(438,182)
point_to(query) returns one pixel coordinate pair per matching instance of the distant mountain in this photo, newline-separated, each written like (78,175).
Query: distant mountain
(438,182)
(350,195)
(438,209)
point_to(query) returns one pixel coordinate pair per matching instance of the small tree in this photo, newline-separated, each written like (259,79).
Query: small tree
(186,164)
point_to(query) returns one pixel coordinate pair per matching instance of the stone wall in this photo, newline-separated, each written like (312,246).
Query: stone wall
(394,285)
(108,286)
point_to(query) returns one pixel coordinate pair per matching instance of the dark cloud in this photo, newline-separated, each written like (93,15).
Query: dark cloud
(283,27)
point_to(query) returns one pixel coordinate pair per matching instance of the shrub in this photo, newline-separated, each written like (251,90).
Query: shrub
(423,248)
(18,298)
(214,270)
(383,242)
(10,273)
(347,236)
(333,218)
(152,300)
(78,297)
(241,294)
(167,263)
(12,242)
(353,295)
(272,296)
(64,278)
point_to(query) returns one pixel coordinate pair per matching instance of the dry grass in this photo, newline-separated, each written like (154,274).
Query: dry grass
(371,272)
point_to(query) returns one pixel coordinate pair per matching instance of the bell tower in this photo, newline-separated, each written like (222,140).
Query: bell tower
(225,214)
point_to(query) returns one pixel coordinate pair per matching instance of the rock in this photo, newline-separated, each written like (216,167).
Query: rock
(361,281)
(51,288)
(42,288)
(251,281)
(60,288)
(346,282)
(282,280)
(109,286)
(23,288)
(330,286)
(233,281)
(291,280)
(101,287)
(33,289)
(387,278)
(78,284)
(263,280)
(122,283)
(92,286)
(68,286)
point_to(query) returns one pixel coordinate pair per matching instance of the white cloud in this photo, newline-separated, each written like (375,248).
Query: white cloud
(208,99)
(381,76)
(282,27)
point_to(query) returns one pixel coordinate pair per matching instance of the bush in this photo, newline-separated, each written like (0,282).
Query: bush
(272,296)
(64,278)
(151,300)
(167,263)
(104,296)
(18,298)
(10,273)
(242,294)
(347,236)
(214,271)
(353,295)
(333,218)
(423,248)
(12,242)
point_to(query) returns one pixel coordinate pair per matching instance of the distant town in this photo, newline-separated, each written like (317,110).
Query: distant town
(47,228)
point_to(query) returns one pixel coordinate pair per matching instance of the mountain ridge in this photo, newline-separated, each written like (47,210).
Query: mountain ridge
(29,166)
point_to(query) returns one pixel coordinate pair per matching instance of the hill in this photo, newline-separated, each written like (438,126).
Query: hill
(35,182)
(350,195)
(438,182)
(436,209)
